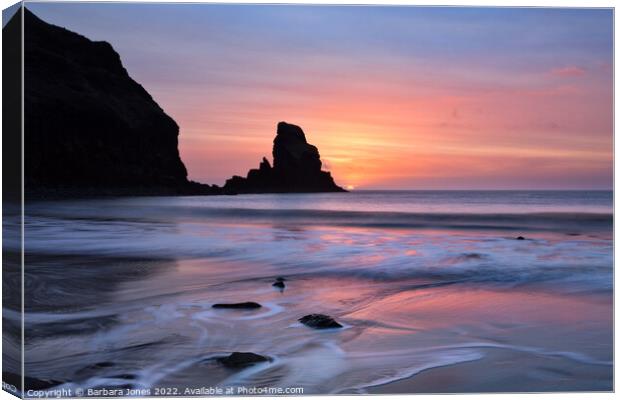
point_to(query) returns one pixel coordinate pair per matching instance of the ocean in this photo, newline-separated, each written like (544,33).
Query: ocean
(434,290)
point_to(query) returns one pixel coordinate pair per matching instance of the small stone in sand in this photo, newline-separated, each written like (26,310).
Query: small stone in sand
(241,360)
(97,366)
(246,305)
(520,238)
(319,321)
(104,364)
(279,284)
(473,256)
(127,377)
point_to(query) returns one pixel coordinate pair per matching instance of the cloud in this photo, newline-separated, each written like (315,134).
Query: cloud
(568,72)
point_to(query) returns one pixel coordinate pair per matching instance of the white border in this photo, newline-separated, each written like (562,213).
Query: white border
(472,3)
(440,3)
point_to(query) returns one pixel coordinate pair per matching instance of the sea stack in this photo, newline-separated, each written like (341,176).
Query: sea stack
(90,128)
(296,168)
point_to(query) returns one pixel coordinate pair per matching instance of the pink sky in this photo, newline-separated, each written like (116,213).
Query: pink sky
(417,129)
(393,97)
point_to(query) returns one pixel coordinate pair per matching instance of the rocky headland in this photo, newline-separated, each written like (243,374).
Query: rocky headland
(89,127)
(92,130)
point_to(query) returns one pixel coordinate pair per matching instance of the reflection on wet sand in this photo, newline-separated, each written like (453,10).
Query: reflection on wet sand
(127,302)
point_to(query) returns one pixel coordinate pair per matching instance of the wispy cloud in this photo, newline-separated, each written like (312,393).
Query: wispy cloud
(568,71)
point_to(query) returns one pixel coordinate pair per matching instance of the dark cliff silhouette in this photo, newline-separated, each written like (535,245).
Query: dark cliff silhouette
(89,127)
(296,168)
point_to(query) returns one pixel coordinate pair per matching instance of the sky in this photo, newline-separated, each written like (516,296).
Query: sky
(393,97)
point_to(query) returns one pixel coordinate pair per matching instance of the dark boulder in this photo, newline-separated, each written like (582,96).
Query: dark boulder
(296,168)
(319,321)
(242,360)
(246,305)
(90,129)
(520,238)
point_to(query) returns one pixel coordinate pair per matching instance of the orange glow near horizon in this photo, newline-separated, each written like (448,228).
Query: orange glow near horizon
(393,97)
(387,139)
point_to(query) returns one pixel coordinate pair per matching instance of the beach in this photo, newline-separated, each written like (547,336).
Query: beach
(436,292)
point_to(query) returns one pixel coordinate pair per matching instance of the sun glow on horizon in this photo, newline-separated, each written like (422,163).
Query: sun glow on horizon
(496,98)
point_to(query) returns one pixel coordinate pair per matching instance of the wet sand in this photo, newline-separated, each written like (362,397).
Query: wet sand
(419,335)
(505,371)
(121,296)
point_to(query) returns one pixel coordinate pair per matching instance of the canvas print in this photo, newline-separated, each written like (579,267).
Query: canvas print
(235,199)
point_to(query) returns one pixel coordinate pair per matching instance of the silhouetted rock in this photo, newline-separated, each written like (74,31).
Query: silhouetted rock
(296,168)
(278,284)
(246,305)
(241,360)
(520,238)
(319,321)
(90,129)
